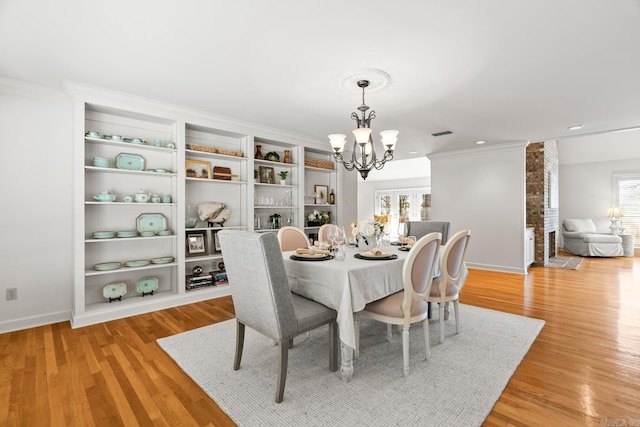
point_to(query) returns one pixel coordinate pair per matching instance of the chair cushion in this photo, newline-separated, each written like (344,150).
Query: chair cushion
(452,291)
(391,306)
(311,314)
(579,225)
(601,238)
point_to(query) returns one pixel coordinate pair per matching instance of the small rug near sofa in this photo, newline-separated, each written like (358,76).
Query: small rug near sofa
(566,262)
(458,385)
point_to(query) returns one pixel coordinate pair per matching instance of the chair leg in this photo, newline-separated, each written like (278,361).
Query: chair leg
(333,346)
(239,345)
(441,323)
(427,343)
(356,327)
(456,307)
(282,372)
(405,349)
(446,310)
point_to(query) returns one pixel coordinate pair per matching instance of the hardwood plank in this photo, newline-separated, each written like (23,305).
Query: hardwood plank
(582,370)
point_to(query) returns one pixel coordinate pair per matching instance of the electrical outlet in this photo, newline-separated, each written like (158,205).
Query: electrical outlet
(12,293)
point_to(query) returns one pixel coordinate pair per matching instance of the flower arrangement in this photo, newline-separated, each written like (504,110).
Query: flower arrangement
(318,217)
(367,229)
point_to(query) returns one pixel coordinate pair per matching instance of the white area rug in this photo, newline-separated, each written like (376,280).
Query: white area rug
(458,385)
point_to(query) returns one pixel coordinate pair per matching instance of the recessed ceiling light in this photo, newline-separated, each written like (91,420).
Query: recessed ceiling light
(576,127)
(480,142)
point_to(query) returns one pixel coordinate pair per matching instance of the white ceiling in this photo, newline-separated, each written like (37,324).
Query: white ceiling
(494,70)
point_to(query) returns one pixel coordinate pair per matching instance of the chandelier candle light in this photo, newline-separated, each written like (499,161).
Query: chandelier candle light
(363,157)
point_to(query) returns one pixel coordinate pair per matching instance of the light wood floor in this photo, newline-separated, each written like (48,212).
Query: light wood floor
(583,369)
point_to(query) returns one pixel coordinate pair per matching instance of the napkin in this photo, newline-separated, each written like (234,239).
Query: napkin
(305,251)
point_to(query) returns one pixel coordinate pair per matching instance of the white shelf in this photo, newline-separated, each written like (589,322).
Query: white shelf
(123,269)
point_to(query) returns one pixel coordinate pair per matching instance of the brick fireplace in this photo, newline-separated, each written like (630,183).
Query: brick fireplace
(541,162)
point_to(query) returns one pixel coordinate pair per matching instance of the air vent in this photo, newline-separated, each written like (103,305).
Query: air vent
(446,132)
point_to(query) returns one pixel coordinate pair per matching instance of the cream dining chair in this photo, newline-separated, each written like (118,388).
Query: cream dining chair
(453,273)
(409,305)
(324,232)
(263,301)
(292,238)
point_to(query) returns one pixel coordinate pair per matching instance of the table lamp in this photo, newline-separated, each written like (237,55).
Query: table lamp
(614,214)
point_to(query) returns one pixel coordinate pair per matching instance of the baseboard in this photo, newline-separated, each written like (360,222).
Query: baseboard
(34,321)
(499,268)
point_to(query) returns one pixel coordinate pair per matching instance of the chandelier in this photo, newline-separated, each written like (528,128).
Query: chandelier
(363,157)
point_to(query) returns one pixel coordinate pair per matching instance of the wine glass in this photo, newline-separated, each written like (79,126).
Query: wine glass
(332,235)
(403,232)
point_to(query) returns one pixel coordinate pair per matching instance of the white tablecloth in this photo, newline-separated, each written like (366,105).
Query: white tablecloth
(346,286)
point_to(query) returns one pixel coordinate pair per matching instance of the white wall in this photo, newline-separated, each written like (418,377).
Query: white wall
(36,187)
(483,189)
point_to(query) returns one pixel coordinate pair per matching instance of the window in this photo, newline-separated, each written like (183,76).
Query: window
(413,204)
(627,196)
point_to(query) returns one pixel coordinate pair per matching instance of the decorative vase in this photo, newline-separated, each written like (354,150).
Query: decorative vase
(259,155)
(366,243)
(287,156)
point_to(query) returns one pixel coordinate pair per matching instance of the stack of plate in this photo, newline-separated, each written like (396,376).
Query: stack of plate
(127,234)
(137,263)
(106,266)
(103,234)
(162,260)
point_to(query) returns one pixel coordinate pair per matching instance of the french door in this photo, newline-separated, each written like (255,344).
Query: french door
(413,204)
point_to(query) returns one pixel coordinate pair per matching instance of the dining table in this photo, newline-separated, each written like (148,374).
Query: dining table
(346,286)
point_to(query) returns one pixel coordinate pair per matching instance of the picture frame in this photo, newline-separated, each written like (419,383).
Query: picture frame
(196,244)
(216,243)
(321,194)
(197,169)
(267,175)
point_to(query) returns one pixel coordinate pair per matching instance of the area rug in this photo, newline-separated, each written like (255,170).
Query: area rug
(458,385)
(566,262)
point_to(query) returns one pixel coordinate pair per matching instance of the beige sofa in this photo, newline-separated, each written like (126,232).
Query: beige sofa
(580,238)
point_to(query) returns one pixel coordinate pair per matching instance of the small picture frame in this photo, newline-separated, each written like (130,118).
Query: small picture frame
(197,169)
(196,244)
(321,194)
(216,243)
(267,175)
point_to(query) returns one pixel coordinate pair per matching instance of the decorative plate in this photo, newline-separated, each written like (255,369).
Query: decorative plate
(106,266)
(127,233)
(151,222)
(386,256)
(162,260)
(216,212)
(115,290)
(103,234)
(132,162)
(308,257)
(147,285)
(137,263)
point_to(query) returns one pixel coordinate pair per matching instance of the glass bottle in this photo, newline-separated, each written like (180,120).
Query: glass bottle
(259,155)
(332,198)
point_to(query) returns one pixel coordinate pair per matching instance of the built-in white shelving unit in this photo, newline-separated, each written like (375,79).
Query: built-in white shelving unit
(172,140)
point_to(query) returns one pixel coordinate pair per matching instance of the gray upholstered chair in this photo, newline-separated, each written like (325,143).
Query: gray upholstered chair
(422,228)
(410,305)
(453,273)
(264,302)
(292,238)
